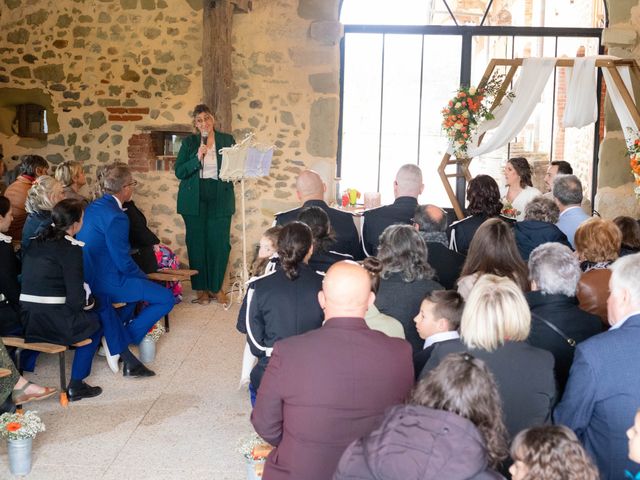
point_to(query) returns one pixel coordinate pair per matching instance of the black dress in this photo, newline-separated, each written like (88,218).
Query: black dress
(141,239)
(53,297)
(281,308)
(9,289)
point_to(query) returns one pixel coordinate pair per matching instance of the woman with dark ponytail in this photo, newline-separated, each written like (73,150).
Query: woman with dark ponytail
(323,237)
(283,303)
(55,301)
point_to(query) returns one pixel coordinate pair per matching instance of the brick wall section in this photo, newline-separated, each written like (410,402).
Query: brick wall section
(141,152)
(122,114)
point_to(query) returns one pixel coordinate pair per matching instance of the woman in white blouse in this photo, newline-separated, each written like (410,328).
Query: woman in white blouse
(520,190)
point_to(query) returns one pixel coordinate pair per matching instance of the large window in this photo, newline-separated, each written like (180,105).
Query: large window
(403,61)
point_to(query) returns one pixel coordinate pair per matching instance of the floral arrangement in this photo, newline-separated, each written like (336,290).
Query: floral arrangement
(17,426)
(350,196)
(508,210)
(254,448)
(633,148)
(469,106)
(156,332)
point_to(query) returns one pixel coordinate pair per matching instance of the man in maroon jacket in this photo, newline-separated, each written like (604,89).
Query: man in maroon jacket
(326,388)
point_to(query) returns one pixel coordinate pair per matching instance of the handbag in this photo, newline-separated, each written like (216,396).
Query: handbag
(568,339)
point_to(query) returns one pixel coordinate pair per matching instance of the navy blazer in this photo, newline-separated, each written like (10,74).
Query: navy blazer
(377,219)
(603,395)
(105,232)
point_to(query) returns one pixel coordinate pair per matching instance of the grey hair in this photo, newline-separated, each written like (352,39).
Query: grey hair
(409,180)
(40,195)
(402,250)
(542,209)
(567,189)
(115,178)
(625,273)
(555,269)
(426,223)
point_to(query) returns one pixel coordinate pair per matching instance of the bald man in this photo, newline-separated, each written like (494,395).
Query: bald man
(406,188)
(310,190)
(328,387)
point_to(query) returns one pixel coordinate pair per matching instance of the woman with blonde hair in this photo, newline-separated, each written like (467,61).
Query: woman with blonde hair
(550,452)
(598,243)
(72,177)
(41,198)
(495,325)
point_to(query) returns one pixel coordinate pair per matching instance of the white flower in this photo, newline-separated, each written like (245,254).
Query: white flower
(472,91)
(457,125)
(457,105)
(465,114)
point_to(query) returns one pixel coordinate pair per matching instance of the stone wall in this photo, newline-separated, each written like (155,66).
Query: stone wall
(109,69)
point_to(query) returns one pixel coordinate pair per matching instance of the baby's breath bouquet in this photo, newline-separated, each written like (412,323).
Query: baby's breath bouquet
(17,426)
(156,332)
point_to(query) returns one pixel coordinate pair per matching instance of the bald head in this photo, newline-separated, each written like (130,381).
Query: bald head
(408,181)
(346,291)
(310,186)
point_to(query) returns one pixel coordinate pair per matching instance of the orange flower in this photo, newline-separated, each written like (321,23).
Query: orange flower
(13,426)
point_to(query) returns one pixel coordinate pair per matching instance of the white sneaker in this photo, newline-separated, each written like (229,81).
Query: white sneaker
(112,360)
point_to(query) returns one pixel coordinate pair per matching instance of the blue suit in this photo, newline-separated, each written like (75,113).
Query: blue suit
(603,395)
(114,277)
(569,222)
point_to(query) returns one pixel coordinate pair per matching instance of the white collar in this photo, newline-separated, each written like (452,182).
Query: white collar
(569,208)
(74,241)
(440,337)
(5,238)
(118,202)
(621,322)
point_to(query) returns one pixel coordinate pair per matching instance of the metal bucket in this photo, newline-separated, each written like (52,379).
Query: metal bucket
(147,348)
(20,456)
(254,468)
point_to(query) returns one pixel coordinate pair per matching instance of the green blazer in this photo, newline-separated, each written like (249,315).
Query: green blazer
(188,169)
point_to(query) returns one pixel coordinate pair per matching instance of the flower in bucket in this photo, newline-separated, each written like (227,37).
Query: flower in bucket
(508,210)
(633,149)
(17,426)
(156,332)
(466,110)
(350,196)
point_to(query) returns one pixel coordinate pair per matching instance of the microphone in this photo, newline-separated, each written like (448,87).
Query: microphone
(204,136)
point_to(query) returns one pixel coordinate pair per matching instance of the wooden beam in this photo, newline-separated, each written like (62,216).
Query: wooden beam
(626,96)
(217,79)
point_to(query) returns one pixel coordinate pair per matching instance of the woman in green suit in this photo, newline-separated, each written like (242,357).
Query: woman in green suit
(206,205)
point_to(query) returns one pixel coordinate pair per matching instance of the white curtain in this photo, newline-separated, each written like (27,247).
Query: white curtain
(626,120)
(581,108)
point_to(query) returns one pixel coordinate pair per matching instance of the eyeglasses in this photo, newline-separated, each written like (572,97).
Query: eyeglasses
(131,184)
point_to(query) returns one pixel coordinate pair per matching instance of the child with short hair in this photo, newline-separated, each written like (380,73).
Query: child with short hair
(550,452)
(437,321)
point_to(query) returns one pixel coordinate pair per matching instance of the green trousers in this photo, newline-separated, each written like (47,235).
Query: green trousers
(207,238)
(7,383)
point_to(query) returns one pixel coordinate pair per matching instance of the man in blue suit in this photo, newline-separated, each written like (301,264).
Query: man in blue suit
(567,192)
(113,275)
(603,392)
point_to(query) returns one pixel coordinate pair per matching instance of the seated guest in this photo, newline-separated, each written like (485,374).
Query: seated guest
(550,452)
(375,319)
(406,278)
(483,196)
(567,192)
(53,298)
(325,389)
(9,285)
(406,189)
(310,190)
(493,250)
(538,226)
(115,278)
(597,244)
(284,302)
(437,321)
(15,389)
(43,195)
(602,394)
(494,326)
(31,167)
(142,240)
(450,428)
(520,190)
(318,221)
(71,175)
(3,172)
(555,168)
(266,256)
(431,222)
(630,235)
(557,323)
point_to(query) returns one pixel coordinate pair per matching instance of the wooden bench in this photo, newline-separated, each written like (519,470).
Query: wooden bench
(166,275)
(50,348)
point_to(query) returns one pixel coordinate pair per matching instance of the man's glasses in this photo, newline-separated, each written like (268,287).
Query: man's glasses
(131,184)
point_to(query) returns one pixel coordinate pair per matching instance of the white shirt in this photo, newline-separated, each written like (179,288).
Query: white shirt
(119,202)
(210,164)
(440,337)
(5,238)
(621,322)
